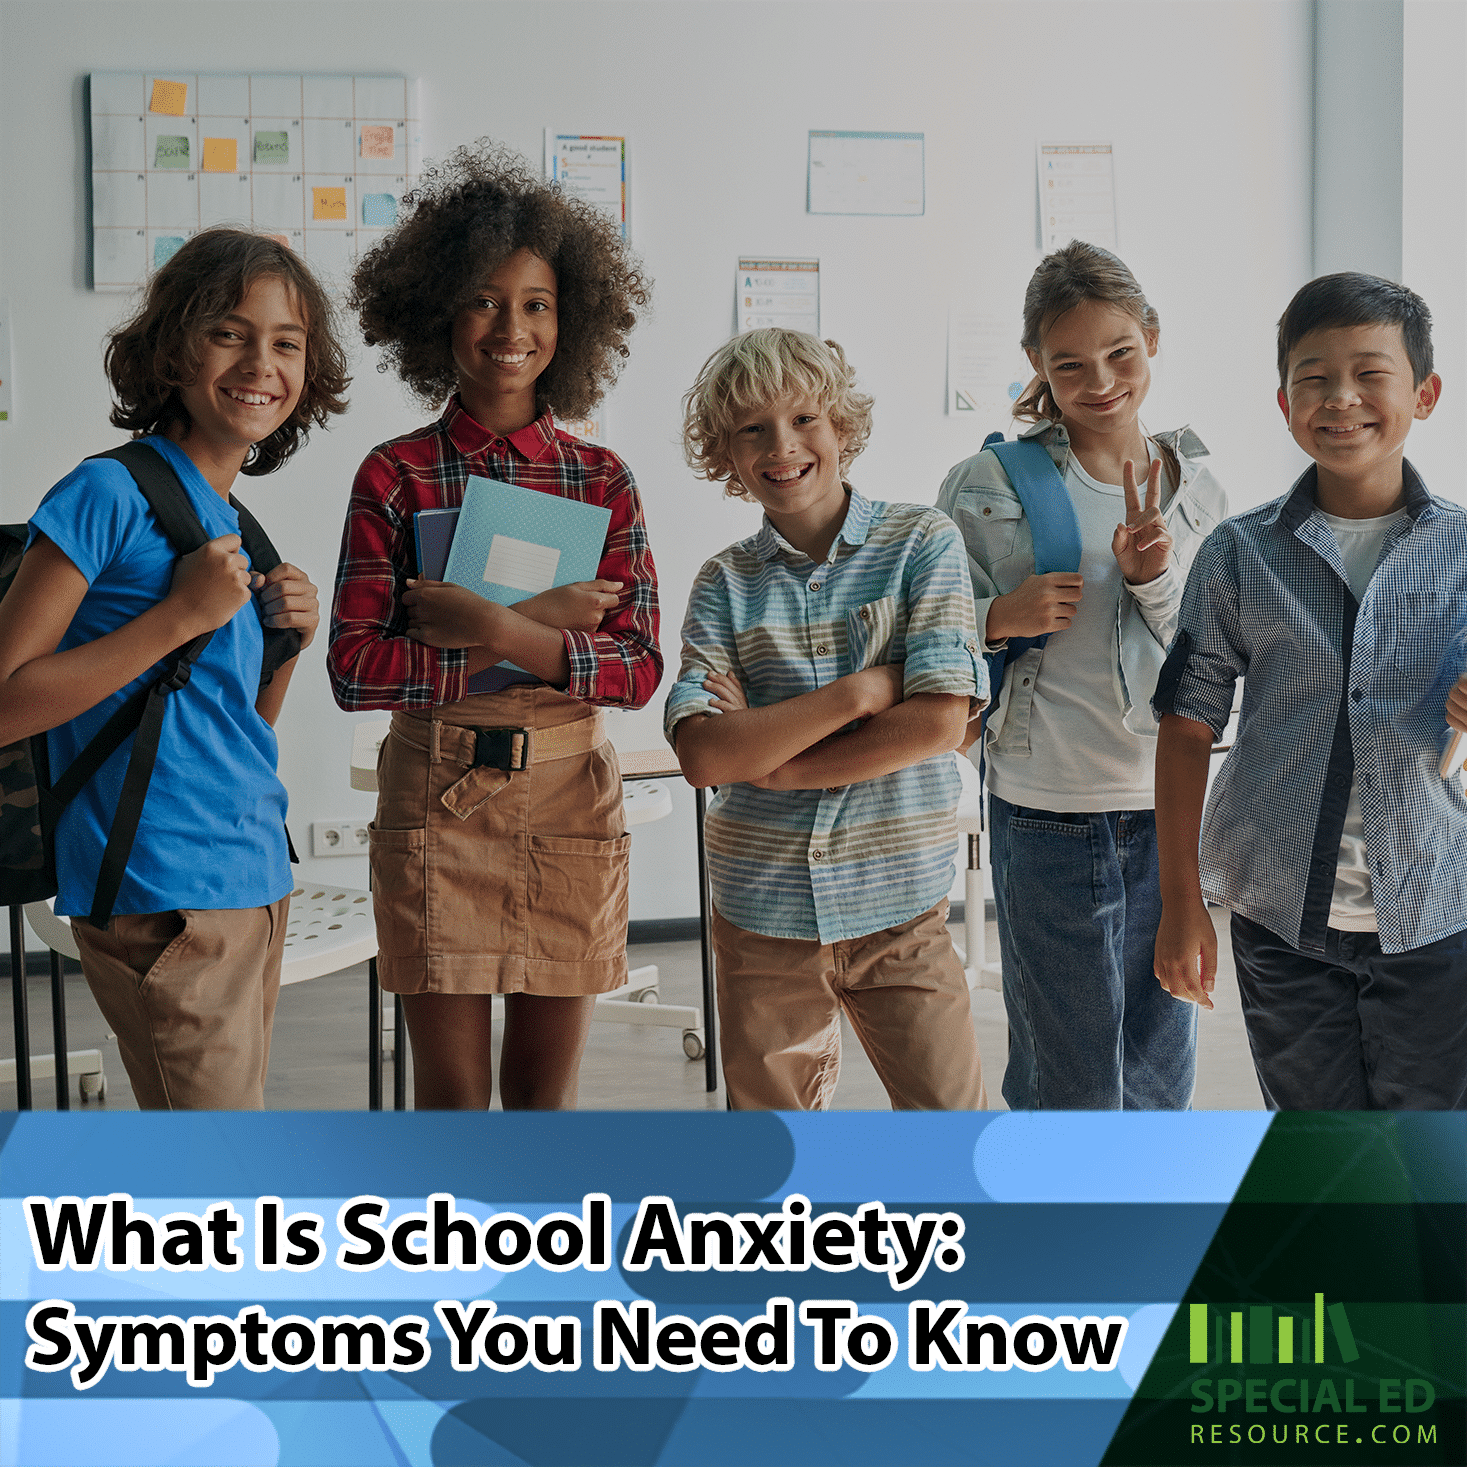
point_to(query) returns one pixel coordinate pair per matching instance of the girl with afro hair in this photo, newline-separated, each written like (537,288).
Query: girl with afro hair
(499,852)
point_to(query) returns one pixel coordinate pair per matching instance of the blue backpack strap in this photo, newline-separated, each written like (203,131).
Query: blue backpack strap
(1056,532)
(1047,506)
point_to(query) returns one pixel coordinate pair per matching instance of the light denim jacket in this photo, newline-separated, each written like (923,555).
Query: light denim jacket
(977,495)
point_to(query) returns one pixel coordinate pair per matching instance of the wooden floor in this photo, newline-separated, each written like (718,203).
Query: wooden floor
(319,1056)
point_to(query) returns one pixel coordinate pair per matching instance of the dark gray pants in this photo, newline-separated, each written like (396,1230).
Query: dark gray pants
(1355,1028)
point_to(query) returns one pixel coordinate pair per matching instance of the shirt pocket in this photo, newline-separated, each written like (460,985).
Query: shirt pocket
(989,520)
(1189,523)
(869,632)
(1426,624)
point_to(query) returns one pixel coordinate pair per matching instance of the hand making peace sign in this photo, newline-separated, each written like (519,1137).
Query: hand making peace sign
(1142,544)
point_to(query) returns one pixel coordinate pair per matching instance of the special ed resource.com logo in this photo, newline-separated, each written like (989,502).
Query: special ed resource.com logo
(1303,1400)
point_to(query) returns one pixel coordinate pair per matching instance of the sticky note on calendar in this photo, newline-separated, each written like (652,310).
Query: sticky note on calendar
(170,152)
(272,147)
(377,141)
(328,203)
(165,247)
(169,97)
(220,155)
(379,211)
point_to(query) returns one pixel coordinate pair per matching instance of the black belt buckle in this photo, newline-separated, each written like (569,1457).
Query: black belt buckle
(495,748)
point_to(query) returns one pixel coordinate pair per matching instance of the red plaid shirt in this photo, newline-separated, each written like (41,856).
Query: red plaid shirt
(374,663)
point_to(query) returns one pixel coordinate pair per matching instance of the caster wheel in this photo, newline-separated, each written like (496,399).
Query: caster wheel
(648,995)
(692,1044)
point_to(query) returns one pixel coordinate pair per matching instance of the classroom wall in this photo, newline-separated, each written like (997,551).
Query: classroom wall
(1209,107)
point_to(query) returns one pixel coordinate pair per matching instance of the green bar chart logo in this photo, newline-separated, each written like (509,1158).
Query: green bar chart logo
(1275,1336)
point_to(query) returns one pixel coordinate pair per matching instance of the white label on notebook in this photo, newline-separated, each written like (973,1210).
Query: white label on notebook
(521,564)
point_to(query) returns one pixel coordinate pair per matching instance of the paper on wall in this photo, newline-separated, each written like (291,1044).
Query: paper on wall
(593,167)
(771,292)
(986,369)
(866,173)
(1077,194)
(6,396)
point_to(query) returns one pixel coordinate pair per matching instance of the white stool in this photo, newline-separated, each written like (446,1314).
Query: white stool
(981,973)
(329,928)
(636,1001)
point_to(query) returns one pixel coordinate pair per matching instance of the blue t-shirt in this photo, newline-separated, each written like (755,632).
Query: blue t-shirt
(212,833)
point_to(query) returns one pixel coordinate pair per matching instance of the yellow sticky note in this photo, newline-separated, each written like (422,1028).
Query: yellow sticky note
(170,98)
(328,203)
(377,141)
(220,155)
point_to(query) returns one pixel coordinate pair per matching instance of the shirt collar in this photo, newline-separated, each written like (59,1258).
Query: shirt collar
(535,441)
(769,543)
(1300,503)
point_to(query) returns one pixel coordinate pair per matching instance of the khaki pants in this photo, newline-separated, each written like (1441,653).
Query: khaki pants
(191,998)
(903,989)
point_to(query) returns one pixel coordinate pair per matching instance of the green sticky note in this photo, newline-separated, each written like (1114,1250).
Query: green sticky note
(272,147)
(170,152)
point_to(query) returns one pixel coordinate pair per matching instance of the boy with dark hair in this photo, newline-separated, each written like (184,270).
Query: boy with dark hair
(1331,833)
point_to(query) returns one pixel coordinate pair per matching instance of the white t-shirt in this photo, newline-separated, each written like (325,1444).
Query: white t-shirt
(1082,758)
(1352,907)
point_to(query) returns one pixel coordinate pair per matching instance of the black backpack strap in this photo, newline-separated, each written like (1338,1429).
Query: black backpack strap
(143,711)
(281,643)
(166,497)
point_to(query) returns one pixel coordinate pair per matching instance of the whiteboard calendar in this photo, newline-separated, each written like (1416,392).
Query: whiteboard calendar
(321,161)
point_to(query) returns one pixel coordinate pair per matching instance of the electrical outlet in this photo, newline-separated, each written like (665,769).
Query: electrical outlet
(339,838)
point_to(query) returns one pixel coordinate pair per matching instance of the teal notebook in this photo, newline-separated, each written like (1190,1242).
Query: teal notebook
(510,543)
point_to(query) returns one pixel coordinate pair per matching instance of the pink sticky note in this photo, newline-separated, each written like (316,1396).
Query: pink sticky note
(377,141)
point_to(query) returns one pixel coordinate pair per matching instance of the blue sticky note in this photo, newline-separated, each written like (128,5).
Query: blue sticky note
(165,247)
(379,211)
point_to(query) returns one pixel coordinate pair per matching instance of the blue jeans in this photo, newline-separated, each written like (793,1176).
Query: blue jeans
(1079,901)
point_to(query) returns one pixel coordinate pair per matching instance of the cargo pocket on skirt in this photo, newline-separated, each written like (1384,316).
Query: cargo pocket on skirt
(577,898)
(399,898)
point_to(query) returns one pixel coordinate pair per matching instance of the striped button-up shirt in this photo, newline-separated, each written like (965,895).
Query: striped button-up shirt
(374,663)
(1332,690)
(838,863)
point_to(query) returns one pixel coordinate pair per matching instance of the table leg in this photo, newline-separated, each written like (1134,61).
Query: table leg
(374,1038)
(20,1012)
(399,1068)
(58,1032)
(705,928)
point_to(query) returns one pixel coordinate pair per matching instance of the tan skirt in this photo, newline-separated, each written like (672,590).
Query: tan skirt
(487,881)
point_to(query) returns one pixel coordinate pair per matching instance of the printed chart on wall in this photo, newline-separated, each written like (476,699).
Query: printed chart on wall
(321,161)
(592,167)
(1077,194)
(986,370)
(770,292)
(866,173)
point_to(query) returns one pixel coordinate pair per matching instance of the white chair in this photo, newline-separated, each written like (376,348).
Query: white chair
(980,972)
(329,928)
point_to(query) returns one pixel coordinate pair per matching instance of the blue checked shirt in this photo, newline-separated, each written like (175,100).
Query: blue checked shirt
(1267,600)
(833,864)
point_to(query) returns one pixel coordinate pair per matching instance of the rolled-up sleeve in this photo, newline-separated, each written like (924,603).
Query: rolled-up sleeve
(943,653)
(709,645)
(620,664)
(1207,654)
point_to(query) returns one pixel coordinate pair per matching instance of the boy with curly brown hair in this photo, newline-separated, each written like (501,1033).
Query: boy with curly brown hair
(499,864)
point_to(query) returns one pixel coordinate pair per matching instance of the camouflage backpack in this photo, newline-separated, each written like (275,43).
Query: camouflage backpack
(25,865)
(30,802)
